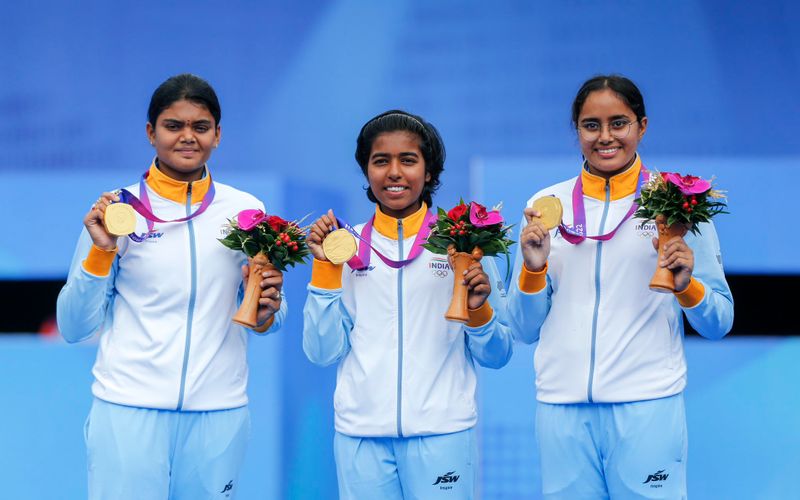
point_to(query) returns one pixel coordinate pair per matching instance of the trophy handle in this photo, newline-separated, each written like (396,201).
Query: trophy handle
(460,262)
(663,279)
(247,315)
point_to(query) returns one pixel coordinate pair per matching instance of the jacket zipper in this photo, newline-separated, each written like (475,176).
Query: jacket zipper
(192,297)
(400,330)
(598,256)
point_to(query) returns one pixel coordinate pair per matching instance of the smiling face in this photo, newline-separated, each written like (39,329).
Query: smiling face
(184,136)
(609,133)
(396,173)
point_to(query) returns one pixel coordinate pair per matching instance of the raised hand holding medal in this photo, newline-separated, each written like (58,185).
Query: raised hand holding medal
(328,242)
(120,219)
(549,211)
(542,217)
(95,222)
(339,246)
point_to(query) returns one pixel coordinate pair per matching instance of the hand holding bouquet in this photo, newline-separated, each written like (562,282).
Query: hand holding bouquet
(466,233)
(677,204)
(268,241)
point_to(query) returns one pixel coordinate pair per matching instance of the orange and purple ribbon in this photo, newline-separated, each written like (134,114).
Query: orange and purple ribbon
(360,261)
(144,208)
(576,233)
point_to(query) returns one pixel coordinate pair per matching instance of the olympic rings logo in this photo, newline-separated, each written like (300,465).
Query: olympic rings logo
(440,273)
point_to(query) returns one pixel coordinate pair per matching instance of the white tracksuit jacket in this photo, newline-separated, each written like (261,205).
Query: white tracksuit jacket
(603,335)
(163,307)
(403,369)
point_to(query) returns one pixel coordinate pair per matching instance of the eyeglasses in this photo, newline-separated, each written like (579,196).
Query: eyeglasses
(618,129)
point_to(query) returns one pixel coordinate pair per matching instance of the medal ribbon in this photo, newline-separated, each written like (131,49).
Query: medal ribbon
(576,233)
(144,208)
(361,260)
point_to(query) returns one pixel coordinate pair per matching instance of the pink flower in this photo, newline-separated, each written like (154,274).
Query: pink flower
(248,219)
(479,217)
(689,184)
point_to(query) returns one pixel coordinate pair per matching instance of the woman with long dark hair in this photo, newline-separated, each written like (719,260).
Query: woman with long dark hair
(610,368)
(170,417)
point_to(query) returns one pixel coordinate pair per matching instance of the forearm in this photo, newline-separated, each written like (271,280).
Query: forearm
(489,336)
(325,327)
(491,345)
(82,302)
(527,313)
(712,317)
(708,302)
(528,303)
(326,324)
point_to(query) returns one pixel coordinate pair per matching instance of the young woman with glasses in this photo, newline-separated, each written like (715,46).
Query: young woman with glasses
(610,366)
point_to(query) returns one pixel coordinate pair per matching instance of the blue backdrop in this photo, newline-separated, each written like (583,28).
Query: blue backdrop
(296,81)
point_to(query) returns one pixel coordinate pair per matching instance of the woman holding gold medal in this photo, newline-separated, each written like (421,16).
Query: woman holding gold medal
(405,393)
(170,417)
(610,368)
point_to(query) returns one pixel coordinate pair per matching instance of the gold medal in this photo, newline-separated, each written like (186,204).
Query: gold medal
(339,246)
(551,210)
(120,219)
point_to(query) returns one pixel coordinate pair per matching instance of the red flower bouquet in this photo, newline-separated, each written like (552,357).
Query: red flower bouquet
(677,203)
(686,200)
(267,240)
(466,233)
(465,227)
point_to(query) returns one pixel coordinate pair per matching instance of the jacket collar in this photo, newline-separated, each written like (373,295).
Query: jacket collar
(387,225)
(175,190)
(622,184)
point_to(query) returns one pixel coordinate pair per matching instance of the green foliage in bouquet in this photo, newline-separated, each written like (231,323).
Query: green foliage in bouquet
(469,226)
(253,231)
(681,199)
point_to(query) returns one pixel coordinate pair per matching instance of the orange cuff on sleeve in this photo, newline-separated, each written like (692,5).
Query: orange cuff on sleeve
(532,282)
(692,295)
(481,315)
(99,261)
(263,328)
(326,275)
